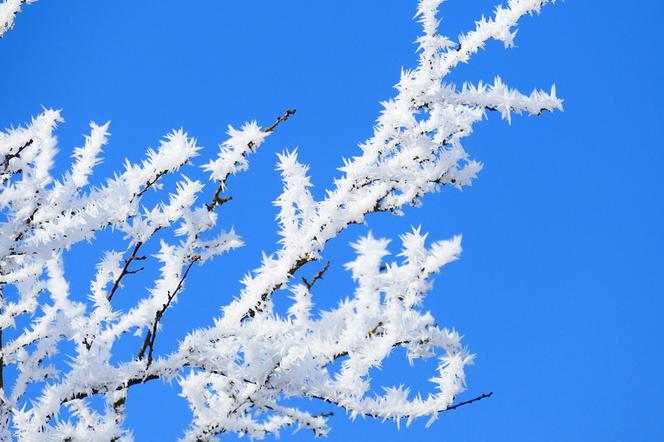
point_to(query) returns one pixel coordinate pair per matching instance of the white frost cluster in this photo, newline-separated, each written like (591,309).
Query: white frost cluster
(232,157)
(8,11)
(237,374)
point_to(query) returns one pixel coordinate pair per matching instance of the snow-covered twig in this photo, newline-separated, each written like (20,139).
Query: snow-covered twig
(8,11)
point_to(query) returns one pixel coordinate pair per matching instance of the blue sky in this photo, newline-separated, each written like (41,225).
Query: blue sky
(559,289)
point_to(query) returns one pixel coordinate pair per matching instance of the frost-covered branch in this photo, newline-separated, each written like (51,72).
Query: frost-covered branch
(237,373)
(232,157)
(8,11)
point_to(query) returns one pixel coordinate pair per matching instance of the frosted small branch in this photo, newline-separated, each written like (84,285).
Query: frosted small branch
(8,11)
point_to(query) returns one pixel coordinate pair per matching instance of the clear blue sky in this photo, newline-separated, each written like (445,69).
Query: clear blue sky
(559,289)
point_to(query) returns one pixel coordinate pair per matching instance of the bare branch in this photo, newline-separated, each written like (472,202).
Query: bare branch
(125,270)
(316,277)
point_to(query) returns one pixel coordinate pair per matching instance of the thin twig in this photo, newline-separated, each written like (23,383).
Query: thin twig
(11,156)
(217,200)
(316,277)
(281,119)
(148,342)
(125,270)
(377,416)
(151,183)
(469,401)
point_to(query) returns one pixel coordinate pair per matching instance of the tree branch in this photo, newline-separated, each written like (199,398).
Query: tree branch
(280,120)
(11,156)
(378,416)
(125,270)
(148,342)
(469,401)
(316,277)
(217,200)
